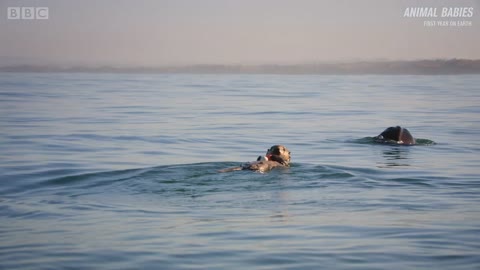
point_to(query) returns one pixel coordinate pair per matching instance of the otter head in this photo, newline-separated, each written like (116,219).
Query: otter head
(280,154)
(397,134)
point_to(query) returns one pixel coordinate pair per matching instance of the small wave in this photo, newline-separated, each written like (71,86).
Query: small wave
(100,178)
(203,179)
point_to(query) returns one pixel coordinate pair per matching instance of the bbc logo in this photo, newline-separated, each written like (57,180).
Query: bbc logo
(27,13)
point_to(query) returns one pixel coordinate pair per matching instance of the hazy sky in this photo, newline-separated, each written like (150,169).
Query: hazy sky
(179,32)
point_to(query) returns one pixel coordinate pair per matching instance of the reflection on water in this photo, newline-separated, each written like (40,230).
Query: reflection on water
(280,213)
(396,156)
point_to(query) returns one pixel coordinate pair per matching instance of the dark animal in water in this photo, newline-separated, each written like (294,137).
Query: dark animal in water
(397,135)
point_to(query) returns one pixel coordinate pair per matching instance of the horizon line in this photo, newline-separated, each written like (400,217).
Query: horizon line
(233,64)
(423,66)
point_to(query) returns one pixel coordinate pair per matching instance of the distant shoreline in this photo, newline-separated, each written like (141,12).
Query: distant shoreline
(415,67)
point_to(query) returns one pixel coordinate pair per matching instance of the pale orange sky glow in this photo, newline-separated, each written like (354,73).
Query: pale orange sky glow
(184,32)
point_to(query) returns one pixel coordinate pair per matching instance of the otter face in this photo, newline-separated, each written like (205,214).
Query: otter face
(280,154)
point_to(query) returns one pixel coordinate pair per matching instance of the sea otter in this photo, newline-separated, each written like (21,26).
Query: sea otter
(397,135)
(277,156)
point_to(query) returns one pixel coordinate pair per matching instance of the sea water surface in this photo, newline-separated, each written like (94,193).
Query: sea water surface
(119,171)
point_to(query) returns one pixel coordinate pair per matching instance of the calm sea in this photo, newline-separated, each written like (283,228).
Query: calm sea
(119,171)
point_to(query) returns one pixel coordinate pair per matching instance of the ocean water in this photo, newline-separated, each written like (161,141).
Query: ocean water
(119,171)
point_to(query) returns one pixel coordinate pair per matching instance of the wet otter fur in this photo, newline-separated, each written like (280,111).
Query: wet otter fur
(397,135)
(277,156)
